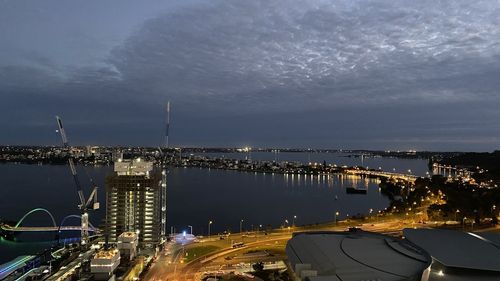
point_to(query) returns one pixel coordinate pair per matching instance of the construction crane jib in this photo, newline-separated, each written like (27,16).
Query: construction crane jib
(84,205)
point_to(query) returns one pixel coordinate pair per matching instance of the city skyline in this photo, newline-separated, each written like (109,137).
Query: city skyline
(320,74)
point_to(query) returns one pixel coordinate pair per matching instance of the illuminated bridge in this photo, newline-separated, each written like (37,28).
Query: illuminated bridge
(8,230)
(382,174)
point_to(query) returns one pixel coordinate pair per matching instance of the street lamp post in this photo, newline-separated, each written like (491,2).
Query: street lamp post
(294,218)
(191,228)
(335,217)
(241,226)
(209,224)
(456,213)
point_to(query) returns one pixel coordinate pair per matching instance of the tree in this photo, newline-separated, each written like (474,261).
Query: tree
(259,266)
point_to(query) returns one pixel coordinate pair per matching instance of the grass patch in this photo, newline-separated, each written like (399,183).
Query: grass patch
(269,250)
(196,252)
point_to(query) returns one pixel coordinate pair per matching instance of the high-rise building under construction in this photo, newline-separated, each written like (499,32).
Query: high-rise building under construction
(136,201)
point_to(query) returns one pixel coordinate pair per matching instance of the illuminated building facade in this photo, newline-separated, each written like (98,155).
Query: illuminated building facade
(136,201)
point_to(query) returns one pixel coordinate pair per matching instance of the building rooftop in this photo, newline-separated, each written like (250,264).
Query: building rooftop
(457,249)
(135,167)
(356,255)
(106,254)
(492,237)
(128,234)
(127,237)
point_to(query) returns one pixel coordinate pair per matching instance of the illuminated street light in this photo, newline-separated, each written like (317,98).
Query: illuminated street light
(335,217)
(294,218)
(209,224)
(241,225)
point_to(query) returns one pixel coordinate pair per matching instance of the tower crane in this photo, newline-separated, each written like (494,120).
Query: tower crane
(164,167)
(84,204)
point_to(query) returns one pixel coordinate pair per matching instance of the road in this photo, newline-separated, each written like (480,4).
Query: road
(173,266)
(219,259)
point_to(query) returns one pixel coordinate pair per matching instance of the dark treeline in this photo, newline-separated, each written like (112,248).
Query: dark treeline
(489,163)
(444,200)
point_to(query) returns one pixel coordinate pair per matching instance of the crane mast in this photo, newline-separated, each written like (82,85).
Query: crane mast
(167,125)
(164,172)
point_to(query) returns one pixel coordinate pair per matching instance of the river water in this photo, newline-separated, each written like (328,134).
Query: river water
(196,196)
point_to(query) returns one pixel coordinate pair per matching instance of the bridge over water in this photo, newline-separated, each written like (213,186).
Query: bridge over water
(9,231)
(381,174)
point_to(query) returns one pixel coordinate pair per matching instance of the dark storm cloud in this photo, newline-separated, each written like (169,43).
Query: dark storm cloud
(374,74)
(364,52)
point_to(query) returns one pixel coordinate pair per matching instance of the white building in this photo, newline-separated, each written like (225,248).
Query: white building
(127,245)
(104,264)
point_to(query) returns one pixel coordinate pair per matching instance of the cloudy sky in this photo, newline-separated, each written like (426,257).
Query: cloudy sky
(296,73)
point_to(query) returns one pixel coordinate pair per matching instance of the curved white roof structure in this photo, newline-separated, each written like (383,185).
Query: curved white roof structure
(354,256)
(458,249)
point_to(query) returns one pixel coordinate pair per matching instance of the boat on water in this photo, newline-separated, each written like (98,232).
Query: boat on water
(355,190)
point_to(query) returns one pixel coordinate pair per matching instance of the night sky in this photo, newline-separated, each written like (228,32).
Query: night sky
(356,74)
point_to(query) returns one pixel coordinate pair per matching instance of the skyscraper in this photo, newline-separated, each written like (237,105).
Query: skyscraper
(136,201)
